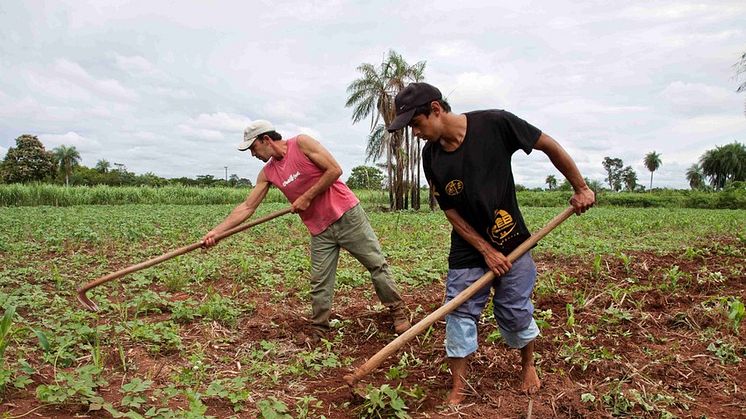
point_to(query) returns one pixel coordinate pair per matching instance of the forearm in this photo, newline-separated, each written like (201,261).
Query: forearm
(467,232)
(236,217)
(325,181)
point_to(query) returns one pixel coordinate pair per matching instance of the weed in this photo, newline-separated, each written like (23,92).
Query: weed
(570,315)
(194,373)
(711,277)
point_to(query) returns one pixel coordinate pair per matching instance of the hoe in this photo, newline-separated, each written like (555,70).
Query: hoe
(90,305)
(485,280)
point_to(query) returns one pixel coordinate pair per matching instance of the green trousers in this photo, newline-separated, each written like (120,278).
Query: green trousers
(353,233)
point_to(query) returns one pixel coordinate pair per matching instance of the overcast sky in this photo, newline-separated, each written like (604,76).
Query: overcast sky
(168,86)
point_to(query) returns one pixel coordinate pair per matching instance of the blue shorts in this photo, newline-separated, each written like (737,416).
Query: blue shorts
(511,302)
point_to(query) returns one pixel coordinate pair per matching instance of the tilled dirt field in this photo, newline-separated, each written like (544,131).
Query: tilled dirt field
(626,335)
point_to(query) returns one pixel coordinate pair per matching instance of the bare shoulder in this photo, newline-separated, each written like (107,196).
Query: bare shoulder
(308,143)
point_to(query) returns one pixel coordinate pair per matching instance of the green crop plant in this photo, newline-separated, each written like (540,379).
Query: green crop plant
(614,315)
(235,390)
(546,284)
(133,391)
(736,312)
(195,371)
(18,376)
(725,352)
(221,309)
(543,318)
(158,337)
(77,387)
(597,266)
(400,370)
(383,402)
(626,262)
(672,278)
(305,404)
(272,408)
(312,362)
(616,401)
(570,310)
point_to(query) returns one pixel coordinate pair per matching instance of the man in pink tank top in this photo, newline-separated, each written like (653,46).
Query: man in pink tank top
(308,176)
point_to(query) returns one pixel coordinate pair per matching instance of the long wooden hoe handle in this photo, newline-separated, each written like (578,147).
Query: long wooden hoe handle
(90,305)
(438,314)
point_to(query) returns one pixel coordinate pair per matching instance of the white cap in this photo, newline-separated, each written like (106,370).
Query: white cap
(254,130)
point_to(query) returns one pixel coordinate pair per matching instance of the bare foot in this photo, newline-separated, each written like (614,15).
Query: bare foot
(456,396)
(530,380)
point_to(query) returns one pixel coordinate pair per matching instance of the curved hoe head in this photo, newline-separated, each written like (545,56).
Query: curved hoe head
(87,303)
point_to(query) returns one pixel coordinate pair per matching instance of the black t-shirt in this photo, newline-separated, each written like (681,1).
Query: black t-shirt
(476,180)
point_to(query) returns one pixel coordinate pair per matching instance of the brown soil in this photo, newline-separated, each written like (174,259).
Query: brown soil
(660,350)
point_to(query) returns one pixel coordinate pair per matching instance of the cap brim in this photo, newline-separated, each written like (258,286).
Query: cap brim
(246,144)
(401,121)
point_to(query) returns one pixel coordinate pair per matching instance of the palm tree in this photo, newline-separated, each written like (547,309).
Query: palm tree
(373,95)
(67,158)
(551,182)
(724,164)
(695,177)
(652,162)
(103,166)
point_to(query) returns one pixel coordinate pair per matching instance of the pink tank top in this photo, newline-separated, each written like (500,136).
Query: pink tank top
(295,174)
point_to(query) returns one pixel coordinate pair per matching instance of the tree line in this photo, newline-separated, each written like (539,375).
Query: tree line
(715,169)
(29,161)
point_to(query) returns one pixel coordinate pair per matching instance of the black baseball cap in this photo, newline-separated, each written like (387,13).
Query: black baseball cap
(412,96)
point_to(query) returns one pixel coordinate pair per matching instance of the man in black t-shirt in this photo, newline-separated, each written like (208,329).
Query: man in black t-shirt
(467,160)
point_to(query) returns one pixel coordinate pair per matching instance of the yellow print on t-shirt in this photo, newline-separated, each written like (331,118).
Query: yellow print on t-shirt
(454,187)
(502,226)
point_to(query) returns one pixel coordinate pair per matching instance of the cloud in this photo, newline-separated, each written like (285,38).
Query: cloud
(70,138)
(220,121)
(473,89)
(698,98)
(111,88)
(136,65)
